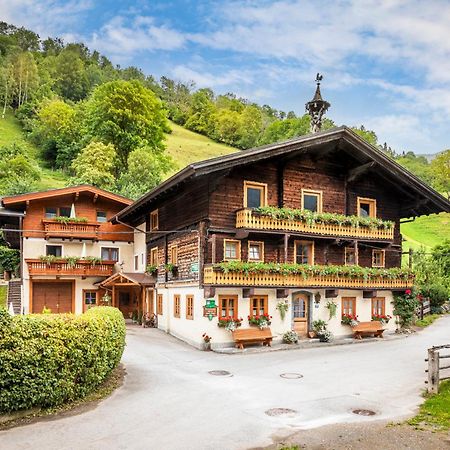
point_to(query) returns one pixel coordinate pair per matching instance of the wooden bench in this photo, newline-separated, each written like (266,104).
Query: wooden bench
(373,328)
(252,336)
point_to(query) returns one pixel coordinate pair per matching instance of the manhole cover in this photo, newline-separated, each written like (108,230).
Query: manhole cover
(220,373)
(363,412)
(291,375)
(274,412)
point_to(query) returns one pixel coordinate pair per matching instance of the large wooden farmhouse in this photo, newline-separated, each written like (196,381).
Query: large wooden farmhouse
(305,222)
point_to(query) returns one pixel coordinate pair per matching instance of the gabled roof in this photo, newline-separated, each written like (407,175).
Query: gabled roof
(15,200)
(361,150)
(132,278)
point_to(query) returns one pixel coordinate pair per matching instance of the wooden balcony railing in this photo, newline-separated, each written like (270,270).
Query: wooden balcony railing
(219,278)
(80,230)
(80,268)
(247,218)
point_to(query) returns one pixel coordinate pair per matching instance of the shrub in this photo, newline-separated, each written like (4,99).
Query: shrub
(46,360)
(437,293)
(405,306)
(290,337)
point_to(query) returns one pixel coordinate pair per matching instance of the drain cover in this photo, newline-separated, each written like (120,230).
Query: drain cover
(363,412)
(274,412)
(220,373)
(291,375)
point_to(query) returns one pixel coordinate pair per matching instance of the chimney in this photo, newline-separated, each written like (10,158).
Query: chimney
(317,107)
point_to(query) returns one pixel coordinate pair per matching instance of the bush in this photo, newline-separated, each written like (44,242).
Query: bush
(437,293)
(405,306)
(290,337)
(46,360)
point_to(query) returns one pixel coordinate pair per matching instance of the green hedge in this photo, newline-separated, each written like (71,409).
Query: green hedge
(46,360)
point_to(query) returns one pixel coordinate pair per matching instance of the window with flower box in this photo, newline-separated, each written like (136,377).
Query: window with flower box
(228,306)
(378,258)
(367,207)
(176,305)
(259,305)
(159,304)
(312,200)
(255,251)
(255,194)
(189,307)
(231,250)
(349,306)
(154,256)
(378,306)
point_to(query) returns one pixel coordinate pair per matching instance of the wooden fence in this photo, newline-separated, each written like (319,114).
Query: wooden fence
(437,363)
(424,309)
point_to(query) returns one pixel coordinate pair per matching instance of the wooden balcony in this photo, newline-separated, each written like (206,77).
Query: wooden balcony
(216,277)
(78,230)
(80,268)
(247,218)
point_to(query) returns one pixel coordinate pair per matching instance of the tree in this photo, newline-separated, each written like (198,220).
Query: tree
(145,171)
(368,135)
(201,113)
(24,78)
(94,165)
(440,168)
(127,115)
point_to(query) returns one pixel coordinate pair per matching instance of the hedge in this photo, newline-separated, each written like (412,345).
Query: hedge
(46,359)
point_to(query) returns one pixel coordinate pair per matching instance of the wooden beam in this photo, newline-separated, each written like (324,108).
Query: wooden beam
(369,294)
(210,291)
(331,293)
(286,247)
(355,173)
(213,248)
(280,181)
(95,198)
(247,292)
(282,293)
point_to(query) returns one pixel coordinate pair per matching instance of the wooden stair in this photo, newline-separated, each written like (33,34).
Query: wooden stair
(15,295)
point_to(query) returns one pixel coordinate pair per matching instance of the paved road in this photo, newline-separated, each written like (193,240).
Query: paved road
(169,401)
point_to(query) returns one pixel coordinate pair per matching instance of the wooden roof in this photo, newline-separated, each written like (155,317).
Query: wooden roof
(424,199)
(16,200)
(131,278)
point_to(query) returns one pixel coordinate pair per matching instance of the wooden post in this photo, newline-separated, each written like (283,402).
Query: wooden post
(213,248)
(410,258)
(433,371)
(286,246)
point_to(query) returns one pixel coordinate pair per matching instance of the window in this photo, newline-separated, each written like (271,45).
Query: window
(351,258)
(312,200)
(176,305)
(231,249)
(90,297)
(154,256)
(154,221)
(110,254)
(258,305)
(52,211)
(136,262)
(378,306)
(64,211)
(378,258)
(304,252)
(367,207)
(54,250)
(349,305)
(190,307)
(255,194)
(159,304)
(174,255)
(228,306)
(101,216)
(255,251)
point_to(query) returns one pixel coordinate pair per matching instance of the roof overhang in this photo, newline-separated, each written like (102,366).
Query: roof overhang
(130,279)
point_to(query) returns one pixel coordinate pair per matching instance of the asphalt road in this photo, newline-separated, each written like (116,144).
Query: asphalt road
(170,401)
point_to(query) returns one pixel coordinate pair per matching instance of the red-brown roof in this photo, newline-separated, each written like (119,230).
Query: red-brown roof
(22,198)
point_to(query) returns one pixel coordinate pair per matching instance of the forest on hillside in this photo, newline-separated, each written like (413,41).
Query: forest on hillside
(106,125)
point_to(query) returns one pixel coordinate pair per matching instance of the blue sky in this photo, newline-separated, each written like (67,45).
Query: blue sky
(386,64)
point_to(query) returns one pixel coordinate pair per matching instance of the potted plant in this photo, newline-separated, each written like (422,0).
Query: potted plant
(171,268)
(381,318)
(290,337)
(151,269)
(261,321)
(320,328)
(349,319)
(229,323)
(332,308)
(206,342)
(283,307)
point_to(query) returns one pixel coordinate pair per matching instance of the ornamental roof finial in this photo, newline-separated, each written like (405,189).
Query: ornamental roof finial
(317,107)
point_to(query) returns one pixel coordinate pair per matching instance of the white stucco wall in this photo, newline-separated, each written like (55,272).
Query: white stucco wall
(140,249)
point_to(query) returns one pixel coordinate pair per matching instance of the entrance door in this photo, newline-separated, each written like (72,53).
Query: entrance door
(300,314)
(56,296)
(125,304)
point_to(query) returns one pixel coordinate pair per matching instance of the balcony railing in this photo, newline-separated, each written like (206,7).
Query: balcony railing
(80,268)
(217,277)
(80,230)
(247,218)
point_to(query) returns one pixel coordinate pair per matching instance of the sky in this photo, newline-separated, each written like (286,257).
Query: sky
(385,63)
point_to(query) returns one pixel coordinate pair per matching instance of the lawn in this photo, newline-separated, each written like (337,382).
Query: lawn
(435,410)
(427,320)
(3,291)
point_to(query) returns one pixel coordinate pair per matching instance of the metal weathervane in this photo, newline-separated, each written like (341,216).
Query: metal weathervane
(317,107)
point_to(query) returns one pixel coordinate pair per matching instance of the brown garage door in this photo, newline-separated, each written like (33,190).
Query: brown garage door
(55,296)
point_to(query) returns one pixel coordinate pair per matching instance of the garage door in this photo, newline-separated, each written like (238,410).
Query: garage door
(54,296)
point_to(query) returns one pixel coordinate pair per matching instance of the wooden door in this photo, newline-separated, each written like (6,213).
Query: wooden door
(54,296)
(149,301)
(300,314)
(125,303)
